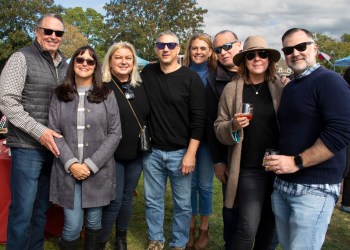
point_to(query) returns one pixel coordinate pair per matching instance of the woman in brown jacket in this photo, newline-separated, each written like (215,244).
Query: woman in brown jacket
(249,186)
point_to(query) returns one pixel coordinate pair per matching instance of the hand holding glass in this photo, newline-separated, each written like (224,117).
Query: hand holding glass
(269,151)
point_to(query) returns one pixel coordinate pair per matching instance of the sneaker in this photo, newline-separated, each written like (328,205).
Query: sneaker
(345,209)
(155,245)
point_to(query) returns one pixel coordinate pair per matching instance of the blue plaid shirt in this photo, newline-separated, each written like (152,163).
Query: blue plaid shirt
(307,71)
(295,189)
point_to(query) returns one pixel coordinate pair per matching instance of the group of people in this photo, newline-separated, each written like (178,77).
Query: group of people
(74,137)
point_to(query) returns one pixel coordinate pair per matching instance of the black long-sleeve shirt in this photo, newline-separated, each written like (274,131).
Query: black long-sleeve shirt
(128,146)
(177,102)
(215,86)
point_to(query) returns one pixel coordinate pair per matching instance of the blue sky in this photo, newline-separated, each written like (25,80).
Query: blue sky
(269,18)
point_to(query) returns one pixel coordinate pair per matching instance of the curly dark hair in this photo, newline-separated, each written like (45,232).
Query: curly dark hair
(66,91)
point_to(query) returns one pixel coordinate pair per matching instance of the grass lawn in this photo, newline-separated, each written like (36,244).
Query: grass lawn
(338,236)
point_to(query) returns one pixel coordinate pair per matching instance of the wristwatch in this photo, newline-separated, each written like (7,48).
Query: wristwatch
(298,161)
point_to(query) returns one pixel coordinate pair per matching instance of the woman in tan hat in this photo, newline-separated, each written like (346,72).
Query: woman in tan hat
(249,186)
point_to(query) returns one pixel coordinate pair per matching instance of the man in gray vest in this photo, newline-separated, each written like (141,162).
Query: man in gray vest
(27,83)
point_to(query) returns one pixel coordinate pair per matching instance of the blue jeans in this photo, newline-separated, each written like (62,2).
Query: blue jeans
(73,218)
(158,166)
(302,221)
(202,182)
(30,182)
(119,210)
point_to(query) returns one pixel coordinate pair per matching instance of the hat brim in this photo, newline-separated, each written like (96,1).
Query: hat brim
(274,55)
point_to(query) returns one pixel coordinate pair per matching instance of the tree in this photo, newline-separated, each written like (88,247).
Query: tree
(336,49)
(90,24)
(72,40)
(17,22)
(345,37)
(139,21)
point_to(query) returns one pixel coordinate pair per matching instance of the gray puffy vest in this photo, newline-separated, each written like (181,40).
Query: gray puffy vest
(41,80)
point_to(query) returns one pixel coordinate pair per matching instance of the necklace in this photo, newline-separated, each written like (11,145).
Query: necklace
(257,90)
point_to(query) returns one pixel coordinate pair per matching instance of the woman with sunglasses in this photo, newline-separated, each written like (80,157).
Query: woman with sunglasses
(200,58)
(249,186)
(86,114)
(120,73)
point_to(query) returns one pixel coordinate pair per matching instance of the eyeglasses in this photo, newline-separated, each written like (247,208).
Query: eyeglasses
(48,32)
(261,53)
(226,46)
(299,47)
(170,46)
(81,60)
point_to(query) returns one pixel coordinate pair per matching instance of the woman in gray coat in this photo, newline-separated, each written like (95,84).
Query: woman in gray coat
(86,114)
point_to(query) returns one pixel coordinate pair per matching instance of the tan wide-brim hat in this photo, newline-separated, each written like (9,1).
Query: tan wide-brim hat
(253,43)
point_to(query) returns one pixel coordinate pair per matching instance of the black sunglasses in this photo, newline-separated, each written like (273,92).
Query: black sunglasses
(299,47)
(170,46)
(261,53)
(226,46)
(81,60)
(48,32)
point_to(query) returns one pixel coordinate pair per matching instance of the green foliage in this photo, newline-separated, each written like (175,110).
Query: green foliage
(335,49)
(17,21)
(345,37)
(139,21)
(90,24)
(73,40)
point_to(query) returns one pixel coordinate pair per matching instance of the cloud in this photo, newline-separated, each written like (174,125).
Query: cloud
(271,18)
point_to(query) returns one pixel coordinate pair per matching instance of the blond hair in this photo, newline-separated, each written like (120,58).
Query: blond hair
(135,78)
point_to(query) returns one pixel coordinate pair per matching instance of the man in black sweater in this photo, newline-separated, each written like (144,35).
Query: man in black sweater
(176,97)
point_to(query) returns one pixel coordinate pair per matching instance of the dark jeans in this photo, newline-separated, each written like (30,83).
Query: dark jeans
(30,183)
(345,200)
(230,220)
(346,191)
(256,220)
(119,210)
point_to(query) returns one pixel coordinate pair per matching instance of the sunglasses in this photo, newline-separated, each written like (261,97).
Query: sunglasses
(226,46)
(48,32)
(170,46)
(262,54)
(299,47)
(81,60)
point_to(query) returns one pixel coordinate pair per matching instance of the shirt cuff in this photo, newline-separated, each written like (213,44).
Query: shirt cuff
(91,165)
(69,163)
(38,131)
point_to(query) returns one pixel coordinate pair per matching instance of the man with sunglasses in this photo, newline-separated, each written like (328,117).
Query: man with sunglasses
(226,46)
(27,83)
(314,119)
(176,97)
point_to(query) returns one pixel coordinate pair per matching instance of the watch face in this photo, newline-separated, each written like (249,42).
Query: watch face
(298,161)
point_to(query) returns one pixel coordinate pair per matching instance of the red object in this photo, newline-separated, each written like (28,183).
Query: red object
(5,195)
(54,221)
(323,56)
(55,216)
